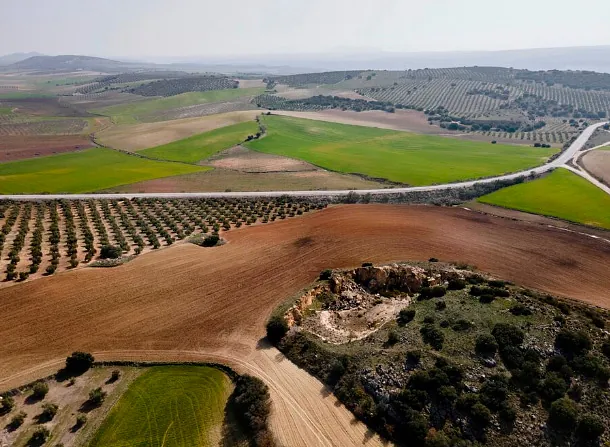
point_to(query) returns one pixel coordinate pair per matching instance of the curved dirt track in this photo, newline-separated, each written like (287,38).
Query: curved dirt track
(190,302)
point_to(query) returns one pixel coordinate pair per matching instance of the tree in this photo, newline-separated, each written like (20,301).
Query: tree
(507,335)
(17,420)
(486,345)
(406,315)
(97,397)
(553,387)
(49,411)
(276,329)
(110,252)
(590,427)
(7,403)
(39,437)
(81,420)
(480,415)
(563,415)
(40,390)
(572,343)
(79,362)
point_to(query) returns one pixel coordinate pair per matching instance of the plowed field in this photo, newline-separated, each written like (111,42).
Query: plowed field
(186,301)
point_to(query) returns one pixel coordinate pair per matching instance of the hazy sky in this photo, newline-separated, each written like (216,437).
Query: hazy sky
(136,28)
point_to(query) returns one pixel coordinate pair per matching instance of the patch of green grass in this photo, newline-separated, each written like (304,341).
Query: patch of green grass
(561,194)
(397,156)
(167,406)
(5,110)
(130,113)
(198,147)
(22,95)
(85,171)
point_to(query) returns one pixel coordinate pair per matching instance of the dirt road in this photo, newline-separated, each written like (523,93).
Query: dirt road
(214,302)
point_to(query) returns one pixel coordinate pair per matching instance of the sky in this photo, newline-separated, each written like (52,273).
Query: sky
(182,28)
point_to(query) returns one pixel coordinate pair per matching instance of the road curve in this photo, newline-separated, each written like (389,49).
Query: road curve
(561,160)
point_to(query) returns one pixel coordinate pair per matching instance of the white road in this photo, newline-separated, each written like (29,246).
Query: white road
(560,161)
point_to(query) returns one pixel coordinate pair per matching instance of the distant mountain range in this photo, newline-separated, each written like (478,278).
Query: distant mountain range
(575,58)
(16,57)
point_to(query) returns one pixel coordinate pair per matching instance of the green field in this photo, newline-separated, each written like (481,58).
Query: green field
(129,113)
(198,147)
(561,194)
(401,157)
(85,171)
(168,406)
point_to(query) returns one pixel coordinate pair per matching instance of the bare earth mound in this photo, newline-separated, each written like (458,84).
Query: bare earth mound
(213,303)
(242,159)
(20,147)
(143,136)
(598,164)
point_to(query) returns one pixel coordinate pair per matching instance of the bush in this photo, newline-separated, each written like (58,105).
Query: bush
(210,240)
(461,325)
(49,411)
(456,284)
(563,415)
(572,343)
(17,420)
(367,264)
(486,345)
(393,338)
(507,335)
(81,420)
(276,329)
(508,414)
(39,437)
(97,397)
(494,392)
(438,291)
(40,390)
(480,415)
(7,403)
(590,428)
(520,310)
(440,305)
(413,357)
(110,252)
(466,401)
(432,336)
(486,298)
(606,349)
(251,404)
(553,387)
(79,362)
(325,274)
(406,316)
(115,376)
(433,260)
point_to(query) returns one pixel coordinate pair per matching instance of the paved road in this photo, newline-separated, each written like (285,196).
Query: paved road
(564,158)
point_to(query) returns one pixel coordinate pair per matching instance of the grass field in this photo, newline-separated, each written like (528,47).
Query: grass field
(84,171)
(129,113)
(168,406)
(397,156)
(198,147)
(561,194)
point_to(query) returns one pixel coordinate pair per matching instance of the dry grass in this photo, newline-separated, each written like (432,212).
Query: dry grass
(598,164)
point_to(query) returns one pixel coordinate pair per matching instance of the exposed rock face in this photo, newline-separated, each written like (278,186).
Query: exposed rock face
(404,278)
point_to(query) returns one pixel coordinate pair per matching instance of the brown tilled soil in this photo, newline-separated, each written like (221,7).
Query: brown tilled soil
(230,180)
(190,302)
(20,147)
(239,158)
(598,164)
(142,136)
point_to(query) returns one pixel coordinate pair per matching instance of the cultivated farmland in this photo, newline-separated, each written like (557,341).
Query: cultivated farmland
(199,147)
(168,406)
(72,173)
(561,194)
(46,237)
(598,164)
(396,156)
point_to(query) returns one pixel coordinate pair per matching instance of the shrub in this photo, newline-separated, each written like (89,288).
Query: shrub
(486,298)
(81,420)
(413,357)
(433,260)
(367,264)
(438,291)
(49,411)
(461,325)
(429,319)
(97,397)
(393,338)
(507,335)
(432,336)
(115,375)
(563,415)
(325,274)
(7,403)
(79,362)
(486,345)
(39,437)
(17,420)
(110,252)
(466,401)
(480,415)
(251,403)
(456,284)
(406,315)
(276,329)
(572,343)
(590,428)
(508,414)
(553,387)
(40,390)
(520,310)
(440,305)
(606,349)
(494,392)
